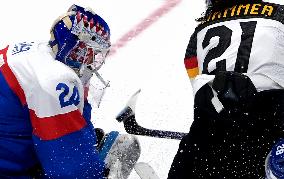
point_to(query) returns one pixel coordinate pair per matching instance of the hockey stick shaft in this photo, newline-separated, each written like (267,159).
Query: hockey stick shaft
(132,127)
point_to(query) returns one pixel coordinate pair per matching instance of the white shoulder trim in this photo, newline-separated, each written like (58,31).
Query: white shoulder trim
(280,2)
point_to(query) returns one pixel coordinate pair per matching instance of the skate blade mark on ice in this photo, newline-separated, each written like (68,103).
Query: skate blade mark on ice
(127,116)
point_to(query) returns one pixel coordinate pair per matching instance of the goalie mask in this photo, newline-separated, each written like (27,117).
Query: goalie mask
(81,40)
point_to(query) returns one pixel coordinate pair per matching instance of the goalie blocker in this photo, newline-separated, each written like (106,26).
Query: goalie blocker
(120,152)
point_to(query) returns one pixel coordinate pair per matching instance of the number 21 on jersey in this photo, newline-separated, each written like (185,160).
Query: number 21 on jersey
(225,34)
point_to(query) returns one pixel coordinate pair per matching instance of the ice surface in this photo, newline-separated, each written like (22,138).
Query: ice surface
(149,56)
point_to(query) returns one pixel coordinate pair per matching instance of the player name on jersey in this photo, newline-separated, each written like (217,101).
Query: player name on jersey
(266,10)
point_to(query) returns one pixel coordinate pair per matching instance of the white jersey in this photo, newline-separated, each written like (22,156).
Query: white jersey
(44,79)
(248,39)
(49,88)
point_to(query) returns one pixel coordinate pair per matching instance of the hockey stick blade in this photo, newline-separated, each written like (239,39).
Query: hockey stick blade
(129,110)
(127,116)
(145,171)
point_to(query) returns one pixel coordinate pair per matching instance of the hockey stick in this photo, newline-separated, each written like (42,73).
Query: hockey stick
(127,116)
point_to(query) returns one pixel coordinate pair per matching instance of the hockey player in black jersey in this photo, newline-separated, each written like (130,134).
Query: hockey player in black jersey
(235,61)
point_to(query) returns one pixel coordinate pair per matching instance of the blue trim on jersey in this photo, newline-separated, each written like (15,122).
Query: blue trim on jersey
(84,163)
(16,146)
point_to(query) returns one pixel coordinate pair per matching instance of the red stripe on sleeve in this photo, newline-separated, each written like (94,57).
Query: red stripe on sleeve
(11,78)
(191,62)
(50,128)
(4,53)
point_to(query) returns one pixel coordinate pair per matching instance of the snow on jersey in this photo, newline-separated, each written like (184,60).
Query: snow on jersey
(246,38)
(41,116)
